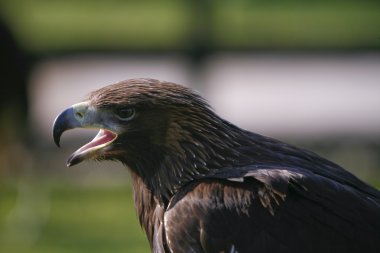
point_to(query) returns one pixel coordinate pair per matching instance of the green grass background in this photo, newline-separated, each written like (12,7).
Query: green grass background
(65,217)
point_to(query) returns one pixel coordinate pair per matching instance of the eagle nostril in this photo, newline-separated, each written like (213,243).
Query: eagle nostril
(79,115)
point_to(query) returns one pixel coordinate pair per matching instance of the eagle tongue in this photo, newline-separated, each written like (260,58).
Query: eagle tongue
(103,136)
(101,140)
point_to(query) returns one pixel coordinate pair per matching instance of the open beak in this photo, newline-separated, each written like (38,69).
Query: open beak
(82,115)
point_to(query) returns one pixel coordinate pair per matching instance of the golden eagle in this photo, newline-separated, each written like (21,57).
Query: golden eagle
(202,184)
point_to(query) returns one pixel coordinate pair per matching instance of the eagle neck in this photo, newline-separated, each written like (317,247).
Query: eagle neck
(194,146)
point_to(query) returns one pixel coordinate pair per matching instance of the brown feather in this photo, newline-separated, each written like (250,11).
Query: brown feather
(176,140)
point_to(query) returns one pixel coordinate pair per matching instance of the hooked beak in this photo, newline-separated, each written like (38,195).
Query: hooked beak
(82,115)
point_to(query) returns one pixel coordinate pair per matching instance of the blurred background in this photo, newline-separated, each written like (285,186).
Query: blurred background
(305,72)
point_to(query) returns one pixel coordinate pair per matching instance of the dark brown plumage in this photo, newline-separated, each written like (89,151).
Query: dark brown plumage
(202,184)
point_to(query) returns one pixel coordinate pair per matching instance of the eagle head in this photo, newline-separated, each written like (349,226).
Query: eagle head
(147,125)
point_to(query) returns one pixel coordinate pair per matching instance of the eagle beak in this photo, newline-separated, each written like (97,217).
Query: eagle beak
(82,115)
(70,118)
(63,122)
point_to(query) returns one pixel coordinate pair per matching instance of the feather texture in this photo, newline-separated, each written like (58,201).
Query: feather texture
(202,184)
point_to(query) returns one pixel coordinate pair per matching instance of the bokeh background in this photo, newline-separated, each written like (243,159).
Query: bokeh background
(305,72)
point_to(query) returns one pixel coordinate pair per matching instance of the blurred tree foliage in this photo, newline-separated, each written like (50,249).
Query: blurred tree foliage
(51,26)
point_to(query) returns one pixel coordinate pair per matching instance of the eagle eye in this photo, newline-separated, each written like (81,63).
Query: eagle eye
(125,113)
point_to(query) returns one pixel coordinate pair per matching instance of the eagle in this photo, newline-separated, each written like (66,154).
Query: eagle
(202,184)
